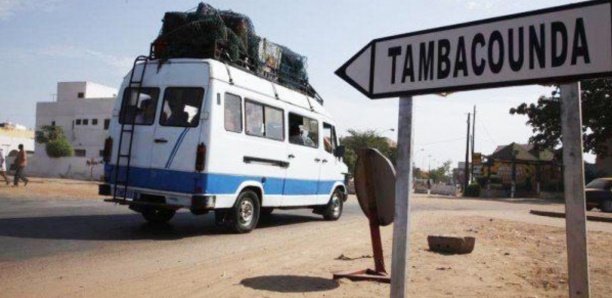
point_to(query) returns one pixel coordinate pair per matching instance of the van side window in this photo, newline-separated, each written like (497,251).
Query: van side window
(181,106)
(233,113)
(264,121)
(329,137)
(141,110)
(303,131)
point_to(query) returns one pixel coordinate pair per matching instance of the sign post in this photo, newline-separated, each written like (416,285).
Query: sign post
(553,45)
(573,179)
(403,182)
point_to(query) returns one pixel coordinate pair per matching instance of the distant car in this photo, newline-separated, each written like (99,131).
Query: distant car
(599,194)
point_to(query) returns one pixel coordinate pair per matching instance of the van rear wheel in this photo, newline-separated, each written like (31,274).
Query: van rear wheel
(158,215)
(333,210)
(245,213)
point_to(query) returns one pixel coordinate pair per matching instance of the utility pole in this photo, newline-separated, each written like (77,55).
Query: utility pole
(473,141)
(467,157)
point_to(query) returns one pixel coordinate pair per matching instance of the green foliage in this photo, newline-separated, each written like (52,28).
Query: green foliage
(473,190)
(365,139)
(442,173)
(544,117)
(59,148)
(49,133)
(57,144)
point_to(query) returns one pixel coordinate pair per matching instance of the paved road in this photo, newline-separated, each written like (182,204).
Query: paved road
(35,228)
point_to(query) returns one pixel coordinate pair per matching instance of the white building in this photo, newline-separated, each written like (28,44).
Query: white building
(83,110)
(11,135)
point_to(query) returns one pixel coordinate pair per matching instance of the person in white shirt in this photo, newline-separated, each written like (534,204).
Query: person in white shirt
(2,167)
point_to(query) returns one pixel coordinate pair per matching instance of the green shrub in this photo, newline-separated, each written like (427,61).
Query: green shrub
(59,148)
(473,190)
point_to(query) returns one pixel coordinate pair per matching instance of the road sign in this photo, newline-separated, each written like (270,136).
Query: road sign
(564,43)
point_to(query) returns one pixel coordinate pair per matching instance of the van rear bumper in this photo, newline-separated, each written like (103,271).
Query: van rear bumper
(145,197)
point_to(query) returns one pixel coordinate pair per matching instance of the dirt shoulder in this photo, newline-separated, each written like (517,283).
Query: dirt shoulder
(51,189)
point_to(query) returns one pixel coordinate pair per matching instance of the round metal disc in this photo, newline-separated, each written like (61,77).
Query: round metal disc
(375,185)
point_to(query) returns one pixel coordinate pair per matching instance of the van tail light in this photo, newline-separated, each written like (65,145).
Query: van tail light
(108,149)
(200,157)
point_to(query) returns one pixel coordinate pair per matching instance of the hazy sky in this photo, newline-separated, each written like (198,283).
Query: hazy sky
(45,41)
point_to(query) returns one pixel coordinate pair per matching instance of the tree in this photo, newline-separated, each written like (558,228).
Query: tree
(442,173)
(365,139)
(544,117)
(57,145)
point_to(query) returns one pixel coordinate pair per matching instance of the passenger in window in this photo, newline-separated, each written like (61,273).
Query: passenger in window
(146,113)
(295,135)
(178,117)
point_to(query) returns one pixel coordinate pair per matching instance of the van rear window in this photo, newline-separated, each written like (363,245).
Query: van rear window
(181,106)
(139,108)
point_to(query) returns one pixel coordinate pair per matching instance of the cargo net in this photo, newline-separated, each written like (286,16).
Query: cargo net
(230,37)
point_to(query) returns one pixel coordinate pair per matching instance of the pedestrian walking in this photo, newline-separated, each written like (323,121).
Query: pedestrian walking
(3,167)
(20,164)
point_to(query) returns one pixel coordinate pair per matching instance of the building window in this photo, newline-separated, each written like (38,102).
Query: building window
(233,113)
(85,121)
(303,131)
(81,94)
(94,121)
(79,152)
(181,107)
(106,124)
(77,122)
(264,121)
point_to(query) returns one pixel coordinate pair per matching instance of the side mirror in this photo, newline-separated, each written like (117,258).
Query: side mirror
(339,152)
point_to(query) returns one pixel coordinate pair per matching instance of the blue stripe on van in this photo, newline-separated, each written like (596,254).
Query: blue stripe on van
(217,184)
(179,140)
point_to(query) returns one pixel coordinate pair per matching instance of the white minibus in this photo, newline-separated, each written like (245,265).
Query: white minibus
(207,136)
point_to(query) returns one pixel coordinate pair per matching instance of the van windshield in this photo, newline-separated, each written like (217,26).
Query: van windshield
(139,106)
(181,107)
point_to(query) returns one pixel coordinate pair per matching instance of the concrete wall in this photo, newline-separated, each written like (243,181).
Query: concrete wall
(10,140)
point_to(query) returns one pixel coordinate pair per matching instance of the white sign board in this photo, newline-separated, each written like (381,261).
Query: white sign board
(565,43)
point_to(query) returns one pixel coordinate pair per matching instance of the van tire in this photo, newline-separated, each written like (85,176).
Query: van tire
(158,215)
(334,207)
(245,213)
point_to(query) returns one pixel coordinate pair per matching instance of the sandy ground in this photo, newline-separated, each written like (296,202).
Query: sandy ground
(516,254)
(50,189)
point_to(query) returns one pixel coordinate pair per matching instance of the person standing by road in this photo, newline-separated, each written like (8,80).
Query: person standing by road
(2,167)
(21,163)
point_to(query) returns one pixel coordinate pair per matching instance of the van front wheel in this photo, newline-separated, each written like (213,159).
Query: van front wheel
(158,215)
(333,210)
(245,213)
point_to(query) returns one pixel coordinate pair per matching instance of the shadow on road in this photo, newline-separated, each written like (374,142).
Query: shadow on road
(290,283)
(122,227)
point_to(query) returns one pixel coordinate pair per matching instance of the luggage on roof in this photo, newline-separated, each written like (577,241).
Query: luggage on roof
(228,36)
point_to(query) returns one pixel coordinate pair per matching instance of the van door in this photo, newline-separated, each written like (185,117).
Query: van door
(139,107)
(330,165)
(177,136)
(301,184)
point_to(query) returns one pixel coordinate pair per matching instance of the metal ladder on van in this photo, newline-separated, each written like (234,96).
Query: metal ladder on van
(127,127)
